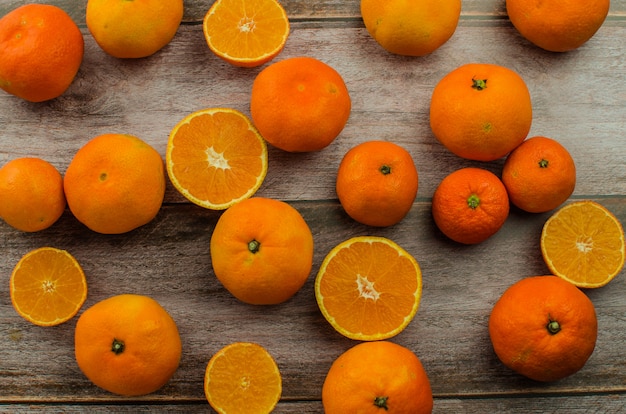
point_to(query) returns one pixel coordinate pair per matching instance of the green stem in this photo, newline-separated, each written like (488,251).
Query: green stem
(254,246)
(381,402)
(479,84)
(473,201)
(385,169)
(117,347)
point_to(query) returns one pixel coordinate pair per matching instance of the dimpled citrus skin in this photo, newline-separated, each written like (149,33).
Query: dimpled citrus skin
(41,50)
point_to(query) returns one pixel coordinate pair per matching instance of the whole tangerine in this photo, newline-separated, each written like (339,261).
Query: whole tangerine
(557,26)
(544,328)
(470,205)
(262,251)
(481,111)
(41,50)
(300,104)
(539,175)
(411,28)
(115,183)
(377,183)
(133,29)
(31,194)
(127,344)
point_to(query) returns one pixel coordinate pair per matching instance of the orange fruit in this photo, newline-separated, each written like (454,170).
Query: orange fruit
(133,29)
(31,194)
(411,28)
(539,175)
(377,377)
(544,328)
(583,243)
(560,26)
(262,251)
(242,378)
(47,286)
(127,344)
(41,50)
(470,205)
(299,104)
(216,158)
(481,111)
(115,183)
(368,288)
(377,183)
(246,33)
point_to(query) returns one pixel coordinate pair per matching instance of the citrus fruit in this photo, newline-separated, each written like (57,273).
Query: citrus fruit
(216,158)
(127,344)
(115,183)
(539,175)
(133,29)
(48,286)
(246,33)
(299,104)
(583,243)
(481,111)
(262,251)
(242,378)
(377,183)
(374,377)
(368,288)
(544,328)
(470,205)
(557,26)
(41,50)
(411,28)
(31,194)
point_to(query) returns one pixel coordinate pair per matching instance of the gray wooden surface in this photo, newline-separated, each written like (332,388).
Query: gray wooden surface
(578,98)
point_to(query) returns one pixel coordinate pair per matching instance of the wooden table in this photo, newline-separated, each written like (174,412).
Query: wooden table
(579,98)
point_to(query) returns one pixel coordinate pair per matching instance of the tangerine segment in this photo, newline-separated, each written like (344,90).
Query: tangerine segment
(48,286)
(368,288)
(246,33)
(215,157)
(242,378)
(583,243)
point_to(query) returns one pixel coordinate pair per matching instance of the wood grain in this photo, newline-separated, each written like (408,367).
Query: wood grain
(578,98)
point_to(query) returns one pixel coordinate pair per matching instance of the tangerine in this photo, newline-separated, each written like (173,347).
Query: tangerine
(133,29)
(539,175)
(300,104)
(411,28)
(262,251)
(246,33)
(115,183)
(31,194)
(127,344)
(377,183)
(41,50)
(374,377)
(470,205)
(557,27)
(481,111)
(544,328)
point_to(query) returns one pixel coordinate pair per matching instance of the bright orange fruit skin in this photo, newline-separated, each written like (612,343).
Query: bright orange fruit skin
(41,50)
(262,251)
(481,111)
(133,29)
(411,28)
(115,183)
(377,183)
(544,328)
(539,175)
(377,377)
(557,26)
(127,344)
(470,205)
(300,104)
(31,194)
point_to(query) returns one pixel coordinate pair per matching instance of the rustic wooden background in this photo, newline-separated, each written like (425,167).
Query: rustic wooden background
(578,98)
